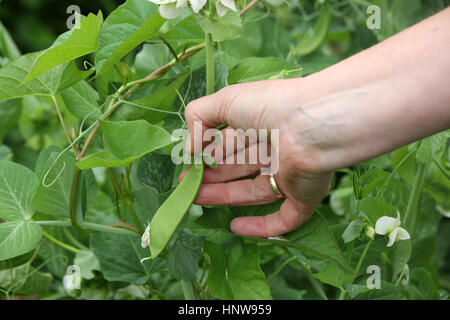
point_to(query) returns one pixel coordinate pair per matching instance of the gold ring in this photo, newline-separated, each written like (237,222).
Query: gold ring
(274,187)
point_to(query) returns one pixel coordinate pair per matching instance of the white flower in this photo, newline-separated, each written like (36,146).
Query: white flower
(170,9)
(222,6)
(391,226)
(145,240)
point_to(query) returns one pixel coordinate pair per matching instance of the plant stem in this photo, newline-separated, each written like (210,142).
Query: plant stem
(316,285)
(63,124)
(88,226)
(209,64)
(75,241)
(248,7)
(361,259)
(280,267)
(73,199)
(188,290)
(60,243)
(125,200)
(410,216)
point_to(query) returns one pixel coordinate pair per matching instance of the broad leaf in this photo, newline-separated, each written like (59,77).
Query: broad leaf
(9,115)
(56,179)
(153,107)
(69,46)
(17,188)
(18,237)
(47,84)
(82,101)
(335,276)
(25,280)
(262,68)
(221,28)
(125,142)
(156,170)
(374,209)
(235,272)
(127,27)
(184,256)
(315,238)
(120,256)
(87,262)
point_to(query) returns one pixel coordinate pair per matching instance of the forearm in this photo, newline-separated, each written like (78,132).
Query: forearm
(383,98)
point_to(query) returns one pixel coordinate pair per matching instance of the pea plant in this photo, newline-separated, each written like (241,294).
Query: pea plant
(90,203)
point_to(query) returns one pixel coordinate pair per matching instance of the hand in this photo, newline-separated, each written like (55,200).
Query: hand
(364,106)
(259,106)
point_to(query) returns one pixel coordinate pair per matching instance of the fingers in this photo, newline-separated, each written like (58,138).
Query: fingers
(287,219)
(237,193)
(239,106)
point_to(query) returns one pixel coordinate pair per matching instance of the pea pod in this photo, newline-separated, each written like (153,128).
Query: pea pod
(313,41)
(172,211)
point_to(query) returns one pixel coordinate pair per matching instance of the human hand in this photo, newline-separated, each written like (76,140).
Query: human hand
(258,106)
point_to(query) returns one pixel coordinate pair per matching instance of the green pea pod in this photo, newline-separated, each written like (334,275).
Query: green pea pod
(312,42)
(172,211)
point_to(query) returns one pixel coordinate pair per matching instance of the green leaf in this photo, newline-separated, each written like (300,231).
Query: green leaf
(87,262)
(47,84)
(185,256)
(156,170)
(18,237)
(9,115)
(7,46)
(125,142)
(221,28)
(69,46)
(127,27)
(311,42)
(57,259)
(374,209)
(422,286)
(55,182)
(399,255)
(235,272)
(261,68)
(432,147)
(387,291)
(82,101)
(183,31)
(353,230)
(315,238)
(120,256)
(25,280)
(17,188)
(335,276)
(151,108)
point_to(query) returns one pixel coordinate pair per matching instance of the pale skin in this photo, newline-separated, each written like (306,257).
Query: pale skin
(382,98)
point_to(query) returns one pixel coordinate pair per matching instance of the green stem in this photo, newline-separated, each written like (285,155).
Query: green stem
(316,285)
(188,290)
(280,267)
(73,201)
(60,243)
(88,226)
(209,64)
(125,201)
(410,216)
(361,259)
(74,240)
